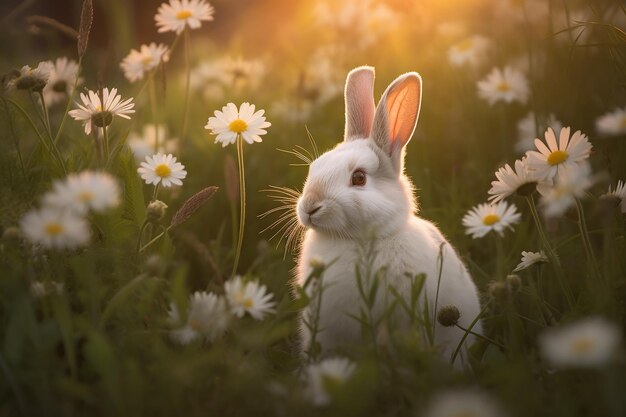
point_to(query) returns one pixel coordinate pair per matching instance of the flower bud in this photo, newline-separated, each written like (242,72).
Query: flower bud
(448,316)
(155,211)
(498,290)
(514,283)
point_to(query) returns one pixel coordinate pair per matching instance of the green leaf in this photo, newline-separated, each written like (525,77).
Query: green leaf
(134,206)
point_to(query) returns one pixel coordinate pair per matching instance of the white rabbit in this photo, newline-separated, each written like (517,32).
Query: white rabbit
(359,187)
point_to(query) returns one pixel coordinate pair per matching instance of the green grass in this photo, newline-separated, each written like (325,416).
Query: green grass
(101,347)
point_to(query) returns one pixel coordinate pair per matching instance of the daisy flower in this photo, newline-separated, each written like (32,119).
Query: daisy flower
(209,78)
(207,316)
(620,193)
(178,14)
(139,62)
(239,72)
(507,85)
(530,258)
(572,183)
(550,159)
(319,377)
(97,191)
(230,123)
(510,181)
(466,402)
(484,218)
(587,343)
(62,77)
(94,112)
(143,144)
(55,229)
(470,51)
(527,130)
(162,169)
(612,123)
(248,297)
(28,78)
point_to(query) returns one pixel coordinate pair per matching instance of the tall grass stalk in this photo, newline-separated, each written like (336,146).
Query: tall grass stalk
(45,120)
(69,102)
(30,122)
(554,258)
(242,203)
(187,83)
(153,105)
(584,232)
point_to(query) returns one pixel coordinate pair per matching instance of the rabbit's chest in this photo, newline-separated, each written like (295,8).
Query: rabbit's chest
(395,260)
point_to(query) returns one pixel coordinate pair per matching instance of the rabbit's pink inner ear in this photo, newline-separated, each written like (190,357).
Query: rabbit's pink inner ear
(403,107)
(359,96)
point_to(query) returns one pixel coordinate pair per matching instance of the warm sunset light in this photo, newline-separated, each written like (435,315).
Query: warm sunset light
(313,207)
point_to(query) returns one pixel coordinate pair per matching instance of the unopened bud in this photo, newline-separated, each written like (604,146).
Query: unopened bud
(514,283)
(498,290)
(448,316)
(156,210)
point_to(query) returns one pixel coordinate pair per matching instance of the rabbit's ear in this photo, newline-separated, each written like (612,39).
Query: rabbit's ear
(396,115)
(359,95)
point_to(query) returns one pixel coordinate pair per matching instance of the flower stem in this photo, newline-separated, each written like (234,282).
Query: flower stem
(554,258)
(46,117)
(105,139)
(141,230)
(52,142)
(467,332)
(69,102)
(14,137)
(153,105)
(187,83)
(242,206)
(43,116)
(156,192)
(584,232)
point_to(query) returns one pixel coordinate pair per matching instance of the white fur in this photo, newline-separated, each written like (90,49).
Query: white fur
(348,216)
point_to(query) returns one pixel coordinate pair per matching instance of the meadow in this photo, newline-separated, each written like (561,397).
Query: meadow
(152,155)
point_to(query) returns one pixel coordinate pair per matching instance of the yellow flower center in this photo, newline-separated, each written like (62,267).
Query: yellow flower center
(582,346)
(248,303)
(183,14)
(146,60)
(162,170)
(503,86)
(557,157)
(54,229)
(490,219)
(238,126)
(85,196)
(465,45)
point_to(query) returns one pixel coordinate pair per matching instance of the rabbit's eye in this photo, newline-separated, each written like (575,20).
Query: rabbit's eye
(358,177)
